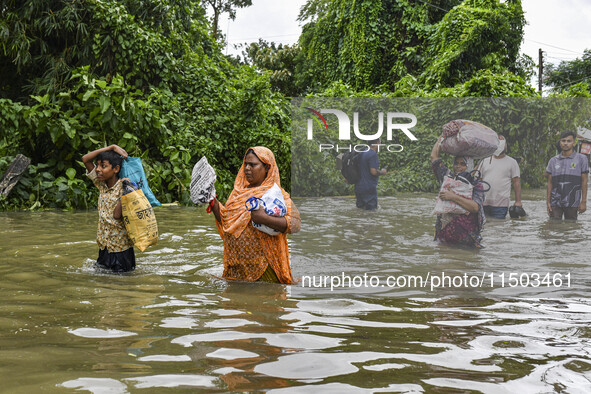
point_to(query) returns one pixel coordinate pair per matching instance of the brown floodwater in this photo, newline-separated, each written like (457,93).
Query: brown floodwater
(390,323)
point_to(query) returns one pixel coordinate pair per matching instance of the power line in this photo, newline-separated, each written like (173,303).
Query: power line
(543,43)
(434,6)
(561,53)
(264,37)
(537,42)
(559,58)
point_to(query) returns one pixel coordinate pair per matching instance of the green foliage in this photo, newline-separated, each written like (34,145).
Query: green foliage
(404,48)
(564,77)
(39,188)
(151,80)
(398,43)
(476,35)
(484,83)
(422,50)
(580,89)
(488,84)
(364,42)
(156,127)
(147,42)
(285,65)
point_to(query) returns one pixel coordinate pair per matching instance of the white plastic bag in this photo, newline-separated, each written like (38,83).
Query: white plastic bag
(274,205)
(472,140)
(460,187)
(202,182)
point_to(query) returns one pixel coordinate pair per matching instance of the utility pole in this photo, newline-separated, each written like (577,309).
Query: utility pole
(540,69)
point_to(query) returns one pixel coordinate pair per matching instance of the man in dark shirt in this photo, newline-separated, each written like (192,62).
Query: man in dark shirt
(366,190)
(567,180)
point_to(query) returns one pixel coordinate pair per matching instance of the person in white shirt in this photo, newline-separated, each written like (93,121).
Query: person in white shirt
(500,171)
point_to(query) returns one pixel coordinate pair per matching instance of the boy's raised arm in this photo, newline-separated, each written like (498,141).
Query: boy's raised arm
(88,159)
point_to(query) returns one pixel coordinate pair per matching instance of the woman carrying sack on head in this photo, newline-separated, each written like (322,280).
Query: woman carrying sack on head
(250,254)
(455,228)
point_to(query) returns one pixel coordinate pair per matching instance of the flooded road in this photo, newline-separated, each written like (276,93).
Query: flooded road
(173,324)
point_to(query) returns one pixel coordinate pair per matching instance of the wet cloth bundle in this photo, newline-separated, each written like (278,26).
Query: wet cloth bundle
(468,138)
(460,186)
(138,217)
(202,182)
(273,204)
(133,170)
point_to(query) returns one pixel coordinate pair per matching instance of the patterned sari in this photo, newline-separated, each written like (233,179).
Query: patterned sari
(250,254)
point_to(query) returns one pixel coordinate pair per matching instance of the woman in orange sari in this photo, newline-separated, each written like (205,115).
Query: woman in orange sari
(250,254)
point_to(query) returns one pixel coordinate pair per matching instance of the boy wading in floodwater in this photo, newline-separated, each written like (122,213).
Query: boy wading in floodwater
(115,246)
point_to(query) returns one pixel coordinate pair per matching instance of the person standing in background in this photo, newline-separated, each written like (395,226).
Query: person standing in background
(366,189)
(567,175)
(500,171)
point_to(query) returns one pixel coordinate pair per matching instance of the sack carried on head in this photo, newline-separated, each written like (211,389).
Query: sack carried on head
(468,138)
(459,185)
(202,182)
(138,217)
(274,205)
(133,169)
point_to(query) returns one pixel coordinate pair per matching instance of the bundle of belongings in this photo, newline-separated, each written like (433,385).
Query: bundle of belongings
(517,212)
(133,170)
(468,138)
(461,184)
(274,205)
(138,216)
(202,182)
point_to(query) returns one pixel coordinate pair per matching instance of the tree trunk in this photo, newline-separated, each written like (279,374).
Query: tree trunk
(13,174)
(216,15)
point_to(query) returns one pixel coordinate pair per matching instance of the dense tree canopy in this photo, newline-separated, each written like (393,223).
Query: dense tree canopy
(386,42)
(284,64)
(573,75)
(476,35)
(78,74)
(145,41)
(367,43)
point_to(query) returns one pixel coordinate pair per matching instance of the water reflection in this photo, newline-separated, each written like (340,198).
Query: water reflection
(255,333)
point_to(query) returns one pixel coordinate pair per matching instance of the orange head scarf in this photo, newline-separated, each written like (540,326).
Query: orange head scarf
(235,217)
